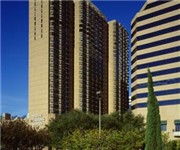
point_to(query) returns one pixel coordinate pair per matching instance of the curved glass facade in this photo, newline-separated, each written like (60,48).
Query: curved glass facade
(156,45)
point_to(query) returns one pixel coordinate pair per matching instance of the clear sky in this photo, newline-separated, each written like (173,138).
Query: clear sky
(14,47)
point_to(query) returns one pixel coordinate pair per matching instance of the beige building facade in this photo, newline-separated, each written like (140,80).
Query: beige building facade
(156,44)
(38,63)
(90,59)
(118,68)
(51,47)
(69,60)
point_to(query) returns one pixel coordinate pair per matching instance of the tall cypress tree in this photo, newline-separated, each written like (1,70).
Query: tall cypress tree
(153,139)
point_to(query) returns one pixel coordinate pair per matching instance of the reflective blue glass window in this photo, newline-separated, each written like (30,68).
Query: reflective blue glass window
(159,12)
(160,32)
(157,73)
(161,103)
(156,63)
(154,4)
(147,7)
(160,22)
(163,127)
(157,83)
(157,93)
(157,43)
(177,127)
(157,53)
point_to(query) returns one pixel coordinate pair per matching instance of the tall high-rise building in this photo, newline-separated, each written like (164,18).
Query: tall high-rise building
(91,58)
(156,44)
(51,59)
(69,61)
(118,68)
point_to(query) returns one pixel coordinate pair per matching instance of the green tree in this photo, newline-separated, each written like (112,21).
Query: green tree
(153,140)
(131,121)
(65,125)
(173,145)
(165,140)
(19,135)
(128,121)
(110,140)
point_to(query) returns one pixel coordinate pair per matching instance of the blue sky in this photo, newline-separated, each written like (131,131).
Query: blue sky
(14,47)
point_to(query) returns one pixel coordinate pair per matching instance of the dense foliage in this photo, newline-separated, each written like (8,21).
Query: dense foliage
(169,144)
(110,140)
(173,145)
(153,138)
(77,130)
(19,135)
(75,123)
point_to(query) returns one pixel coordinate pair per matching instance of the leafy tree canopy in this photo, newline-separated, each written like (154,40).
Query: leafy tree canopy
(19,135)
(66,124)
(110,140)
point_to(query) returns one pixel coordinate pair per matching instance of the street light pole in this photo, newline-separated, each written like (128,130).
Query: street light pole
(99,117)
(99,93)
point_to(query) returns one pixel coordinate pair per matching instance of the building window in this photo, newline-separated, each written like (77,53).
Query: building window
(156,53)
(177,125)
(35,20)
(154,4)
(161,103)
(158,93)
(157,83)
(158,43)
(163,125)
(159,22)
(156,63)
(157,73)
(41,19)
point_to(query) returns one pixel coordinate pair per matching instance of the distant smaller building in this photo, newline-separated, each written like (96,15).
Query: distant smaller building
(6,116)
